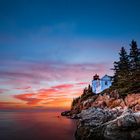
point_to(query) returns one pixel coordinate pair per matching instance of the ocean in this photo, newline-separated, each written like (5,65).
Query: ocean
(35,126)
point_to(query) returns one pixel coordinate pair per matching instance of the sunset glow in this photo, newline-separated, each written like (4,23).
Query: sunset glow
(50,50)
(43,85)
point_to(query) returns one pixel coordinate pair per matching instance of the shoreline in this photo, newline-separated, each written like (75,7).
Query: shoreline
(119,121)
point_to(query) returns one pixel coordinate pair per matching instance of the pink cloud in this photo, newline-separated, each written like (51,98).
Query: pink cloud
(21,74)
(82,83)
(28,98)
(64,86)
(3,91)
(45,82)
(53,95)
(24,88)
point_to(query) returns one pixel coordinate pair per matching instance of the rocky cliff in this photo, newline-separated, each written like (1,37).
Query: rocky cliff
(108,124)
(106,116)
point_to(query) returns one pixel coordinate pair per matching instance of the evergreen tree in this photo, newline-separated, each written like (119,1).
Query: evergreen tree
(89,88)
(134,56)
(121,69)
(135,67)
(124,64)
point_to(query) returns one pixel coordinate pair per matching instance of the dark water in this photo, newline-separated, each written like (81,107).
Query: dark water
(35,126)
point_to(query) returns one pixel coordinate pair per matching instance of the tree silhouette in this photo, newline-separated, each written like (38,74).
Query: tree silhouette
(121,69)
(134,67)
(127,71)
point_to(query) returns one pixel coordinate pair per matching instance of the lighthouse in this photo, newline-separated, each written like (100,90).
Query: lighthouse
(98,85)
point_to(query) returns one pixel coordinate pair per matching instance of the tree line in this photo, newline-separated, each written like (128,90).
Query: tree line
(126,77)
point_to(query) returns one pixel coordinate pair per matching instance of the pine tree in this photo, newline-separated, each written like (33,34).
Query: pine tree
(135,67)
(89,88)
(121,69)
(124,64)
(134,56)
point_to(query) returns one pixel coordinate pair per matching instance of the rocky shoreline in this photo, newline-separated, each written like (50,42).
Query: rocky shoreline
(99,124)
(107,117)
(111,112)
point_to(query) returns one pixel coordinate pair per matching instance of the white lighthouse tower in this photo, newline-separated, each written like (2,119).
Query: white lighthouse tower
(96,85)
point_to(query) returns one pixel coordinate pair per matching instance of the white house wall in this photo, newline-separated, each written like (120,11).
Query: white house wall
(100,85)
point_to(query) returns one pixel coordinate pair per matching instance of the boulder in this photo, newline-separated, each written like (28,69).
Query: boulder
(117,103)
(132,99)
(125,127)
(108,124)
(66,113)
(136,108)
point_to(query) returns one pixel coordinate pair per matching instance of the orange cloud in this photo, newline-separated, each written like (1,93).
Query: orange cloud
(55,96)
(42,84)
(29,98)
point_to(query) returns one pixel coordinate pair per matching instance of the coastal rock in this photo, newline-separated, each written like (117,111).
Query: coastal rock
(87,102)
(108,124)
(114,94)
(132,100)
(125,127)
(97,116)
(111,101)
(107,117)
(136,108)
(100,101)
(117,103)
(66,113)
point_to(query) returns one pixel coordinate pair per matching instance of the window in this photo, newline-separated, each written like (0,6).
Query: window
(106,83)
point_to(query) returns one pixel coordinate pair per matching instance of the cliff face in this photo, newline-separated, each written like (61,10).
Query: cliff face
(110,101)
(106,116)
(106,124)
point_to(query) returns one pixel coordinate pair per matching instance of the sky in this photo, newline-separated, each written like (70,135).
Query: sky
(50,49)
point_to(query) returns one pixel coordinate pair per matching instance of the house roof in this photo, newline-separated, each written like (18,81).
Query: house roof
(106,77)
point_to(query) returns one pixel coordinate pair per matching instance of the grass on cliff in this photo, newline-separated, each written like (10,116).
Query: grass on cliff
(87,93)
